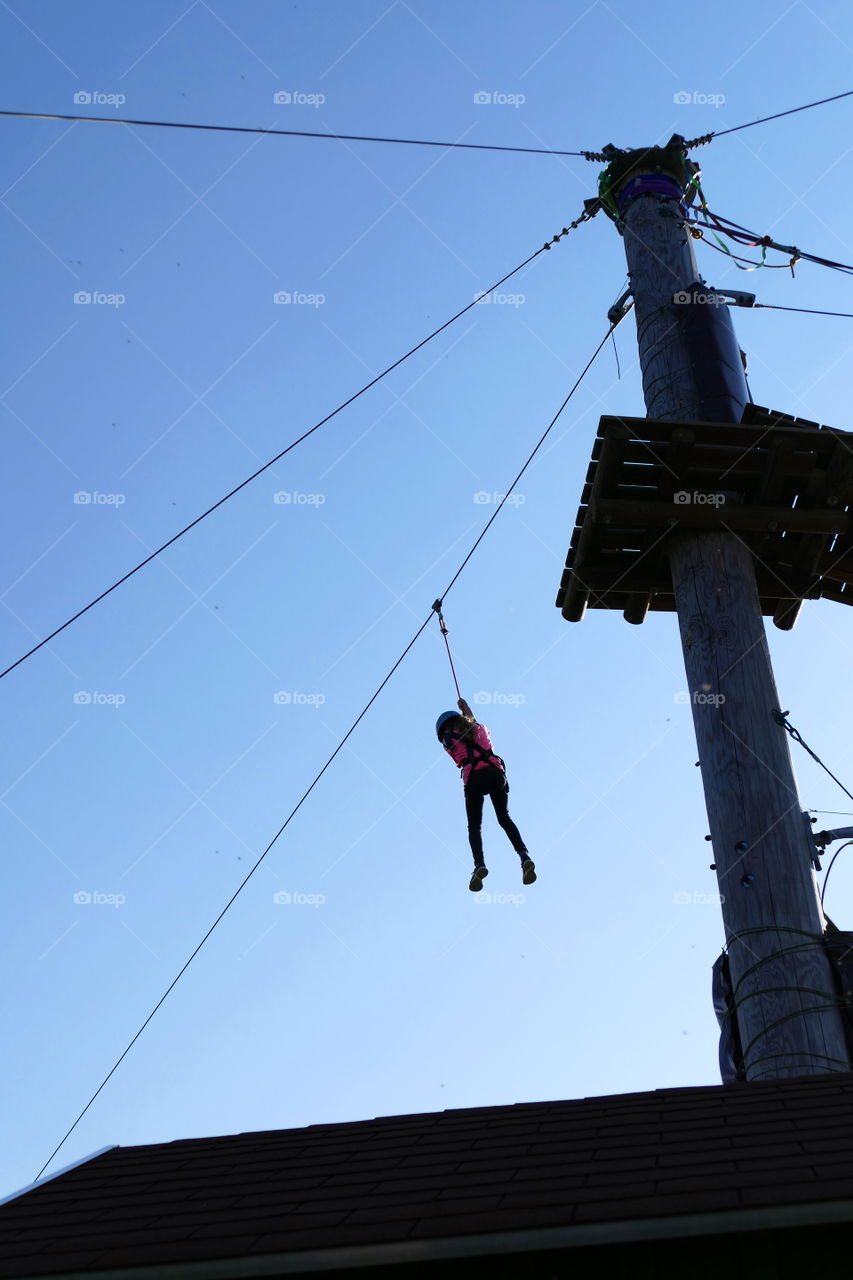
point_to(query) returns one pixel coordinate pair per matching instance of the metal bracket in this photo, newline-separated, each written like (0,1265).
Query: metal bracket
(620,308)
(738,297)
(814,851)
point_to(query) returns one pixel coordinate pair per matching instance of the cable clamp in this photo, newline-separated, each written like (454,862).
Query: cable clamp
(738,297)
(621,307)
(437,609)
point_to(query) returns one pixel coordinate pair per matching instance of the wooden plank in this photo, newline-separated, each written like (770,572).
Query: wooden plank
(642,515)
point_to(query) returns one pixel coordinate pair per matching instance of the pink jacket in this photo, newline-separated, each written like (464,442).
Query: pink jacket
(460,751)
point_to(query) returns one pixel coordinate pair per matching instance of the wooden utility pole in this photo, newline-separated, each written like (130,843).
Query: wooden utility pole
(785,1000)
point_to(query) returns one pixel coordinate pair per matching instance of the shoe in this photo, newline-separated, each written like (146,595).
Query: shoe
(528,871)
(476,882)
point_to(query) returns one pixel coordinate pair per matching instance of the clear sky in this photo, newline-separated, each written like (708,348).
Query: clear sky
(154,749)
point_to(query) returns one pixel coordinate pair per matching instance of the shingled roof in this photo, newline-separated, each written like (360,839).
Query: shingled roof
(521,1183)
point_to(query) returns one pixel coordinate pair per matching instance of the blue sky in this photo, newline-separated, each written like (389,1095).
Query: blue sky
(154,748)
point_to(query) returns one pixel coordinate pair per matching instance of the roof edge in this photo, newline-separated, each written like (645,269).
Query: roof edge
(66,1168)
(635,1230)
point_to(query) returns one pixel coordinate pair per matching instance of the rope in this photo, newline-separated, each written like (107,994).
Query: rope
(443,625)
(736,1002)
(742,235)
(584,217)
(842,1069)
(286,133)
(814,940)
(780,718)
(336,751)
(817,1008)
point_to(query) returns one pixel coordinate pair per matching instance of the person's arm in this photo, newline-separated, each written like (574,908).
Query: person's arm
(466,710)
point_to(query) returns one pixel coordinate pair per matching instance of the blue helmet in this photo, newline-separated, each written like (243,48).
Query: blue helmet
(442,720)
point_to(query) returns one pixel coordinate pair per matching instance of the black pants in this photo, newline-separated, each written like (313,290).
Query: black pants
(488,780)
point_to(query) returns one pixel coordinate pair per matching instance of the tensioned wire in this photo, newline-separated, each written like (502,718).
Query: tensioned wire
(337,750)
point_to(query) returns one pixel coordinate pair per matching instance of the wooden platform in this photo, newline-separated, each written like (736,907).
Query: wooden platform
(783,485)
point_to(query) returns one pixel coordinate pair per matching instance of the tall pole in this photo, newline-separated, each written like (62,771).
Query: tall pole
(786,1007)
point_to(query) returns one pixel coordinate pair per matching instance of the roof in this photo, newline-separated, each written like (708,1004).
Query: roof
(475,1179)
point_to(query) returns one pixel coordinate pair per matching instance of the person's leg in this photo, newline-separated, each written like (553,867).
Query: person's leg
(474,811)
(500,799)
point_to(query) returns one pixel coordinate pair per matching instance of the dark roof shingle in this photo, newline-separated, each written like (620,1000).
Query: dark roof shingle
(451,1174)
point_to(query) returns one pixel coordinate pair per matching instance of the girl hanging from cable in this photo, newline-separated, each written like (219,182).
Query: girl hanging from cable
(483,774)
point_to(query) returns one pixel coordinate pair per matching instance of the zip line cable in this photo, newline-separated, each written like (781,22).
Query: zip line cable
(583,217)
(805,311)
(708,137)
(411,142)
(781,718)
(336,751)
(287,133)
(704,138)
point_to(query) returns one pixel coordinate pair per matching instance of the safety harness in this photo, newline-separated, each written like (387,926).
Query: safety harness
(476,755)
